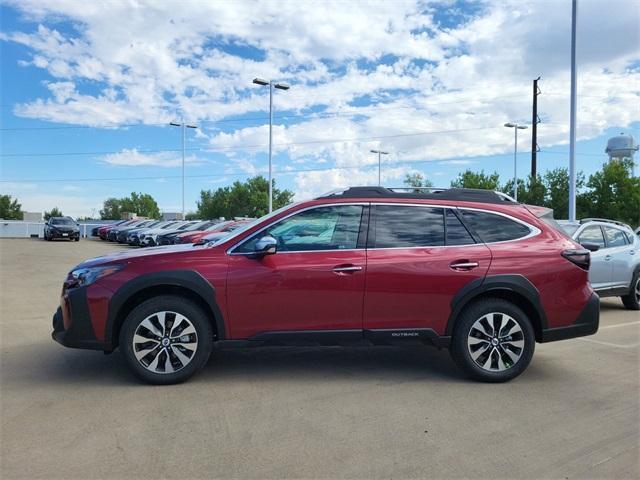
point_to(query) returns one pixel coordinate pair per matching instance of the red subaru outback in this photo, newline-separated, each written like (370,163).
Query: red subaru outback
(470,270)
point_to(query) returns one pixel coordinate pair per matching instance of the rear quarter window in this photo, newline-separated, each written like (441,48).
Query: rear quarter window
(491,227)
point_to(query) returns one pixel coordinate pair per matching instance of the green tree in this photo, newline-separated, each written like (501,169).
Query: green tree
(471,179)
(556,182)
(532,192)
(10,209)
(55,212)
(242,199)
(417,180)
(111,209)
(614,193)
(142,204)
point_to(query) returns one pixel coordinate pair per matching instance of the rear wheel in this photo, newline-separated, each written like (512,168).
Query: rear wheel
(493,340)
(166,340)
(632,301)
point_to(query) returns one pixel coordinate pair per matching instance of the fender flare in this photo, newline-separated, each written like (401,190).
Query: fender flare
(509,282)
(188,279)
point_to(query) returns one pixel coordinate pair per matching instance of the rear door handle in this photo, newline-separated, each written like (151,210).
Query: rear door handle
(344,269)
(607,257)
(463,265)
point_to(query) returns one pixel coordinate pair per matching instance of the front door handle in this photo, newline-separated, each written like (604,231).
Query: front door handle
(463,265)
(344,269)
(607,257)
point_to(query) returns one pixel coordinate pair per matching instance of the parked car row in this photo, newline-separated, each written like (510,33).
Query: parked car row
(151,233)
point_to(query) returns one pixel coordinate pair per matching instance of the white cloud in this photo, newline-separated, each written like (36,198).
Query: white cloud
(134,158)
(151,61)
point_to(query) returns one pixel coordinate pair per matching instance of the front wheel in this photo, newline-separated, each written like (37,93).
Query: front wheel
(632,300)
(493,340)
(166,340)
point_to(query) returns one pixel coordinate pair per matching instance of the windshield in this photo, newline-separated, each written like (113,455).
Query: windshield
(62,221)
(199,225)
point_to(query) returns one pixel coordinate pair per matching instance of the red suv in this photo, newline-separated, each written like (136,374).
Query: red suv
(470,270)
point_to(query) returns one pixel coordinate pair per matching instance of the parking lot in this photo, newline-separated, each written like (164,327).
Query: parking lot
(304,412)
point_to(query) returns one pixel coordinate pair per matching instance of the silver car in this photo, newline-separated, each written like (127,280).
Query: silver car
(615,257)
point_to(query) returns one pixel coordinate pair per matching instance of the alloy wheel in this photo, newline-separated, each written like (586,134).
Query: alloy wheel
(165,342)
(495,342)
(638,290)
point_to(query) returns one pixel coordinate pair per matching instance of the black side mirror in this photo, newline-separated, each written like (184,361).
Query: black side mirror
(266,246)
(592,247)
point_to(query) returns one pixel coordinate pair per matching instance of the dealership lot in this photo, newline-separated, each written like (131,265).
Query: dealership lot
(304,412)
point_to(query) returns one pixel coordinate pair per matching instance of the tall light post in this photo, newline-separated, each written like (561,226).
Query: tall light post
(183,126)
(380,153)
(572,114)
(515,127)
(279,86)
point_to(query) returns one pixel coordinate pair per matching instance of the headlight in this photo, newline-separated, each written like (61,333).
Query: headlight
(87,276)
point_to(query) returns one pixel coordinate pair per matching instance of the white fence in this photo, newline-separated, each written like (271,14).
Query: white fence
(21,229)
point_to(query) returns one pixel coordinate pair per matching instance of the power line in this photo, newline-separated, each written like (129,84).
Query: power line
(246,147)
(260,171)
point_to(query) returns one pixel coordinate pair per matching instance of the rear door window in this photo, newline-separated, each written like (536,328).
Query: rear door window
(592,234)
(615,237)
(491,227)
(398,226)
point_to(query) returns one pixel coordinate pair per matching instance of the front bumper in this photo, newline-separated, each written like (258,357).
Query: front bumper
(73,328)
(586,323)
(64,235)
(148,242)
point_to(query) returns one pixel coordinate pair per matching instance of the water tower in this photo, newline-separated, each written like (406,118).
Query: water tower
(622,146)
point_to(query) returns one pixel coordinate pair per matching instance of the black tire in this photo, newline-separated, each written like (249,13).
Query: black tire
(632,301)
(145,312)
(467,332)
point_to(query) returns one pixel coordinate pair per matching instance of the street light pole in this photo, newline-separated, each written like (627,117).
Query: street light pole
(279,86)
(183,126)
(572,119)
(380,153)
(515,127)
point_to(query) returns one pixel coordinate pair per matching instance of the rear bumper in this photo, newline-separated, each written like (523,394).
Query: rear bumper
(586,323)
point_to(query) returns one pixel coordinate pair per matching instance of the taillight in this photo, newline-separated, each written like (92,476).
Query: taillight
(581,257)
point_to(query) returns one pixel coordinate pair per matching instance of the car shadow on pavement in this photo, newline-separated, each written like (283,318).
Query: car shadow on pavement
(611,303)
(46,364)
(277,364)
(332,363)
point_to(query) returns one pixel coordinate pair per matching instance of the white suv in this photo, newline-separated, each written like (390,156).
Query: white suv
(615,257)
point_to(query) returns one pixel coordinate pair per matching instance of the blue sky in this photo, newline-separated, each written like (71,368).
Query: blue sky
(87,93)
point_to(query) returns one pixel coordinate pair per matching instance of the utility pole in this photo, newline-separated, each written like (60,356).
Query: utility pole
(572,121)
(535,120)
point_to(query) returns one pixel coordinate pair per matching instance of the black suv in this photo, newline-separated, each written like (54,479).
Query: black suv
(61,227)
